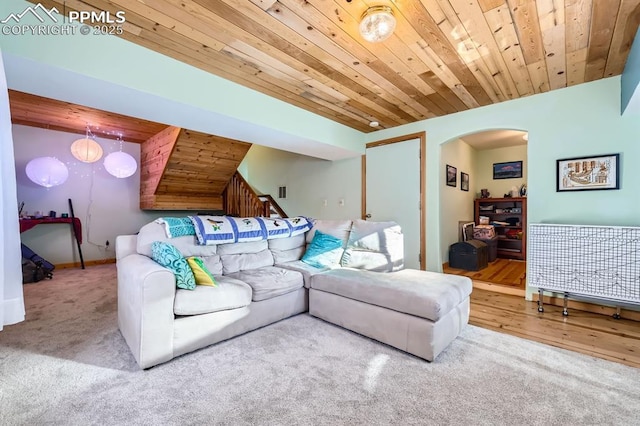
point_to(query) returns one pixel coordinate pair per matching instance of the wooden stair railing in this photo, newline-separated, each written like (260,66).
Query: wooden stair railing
(241,201)
(274,208)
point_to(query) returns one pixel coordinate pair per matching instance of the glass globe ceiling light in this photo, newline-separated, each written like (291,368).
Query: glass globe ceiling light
(86,149)
(377,23)
(47,171)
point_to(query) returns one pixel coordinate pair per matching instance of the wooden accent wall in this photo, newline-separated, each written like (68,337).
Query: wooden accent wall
(186,170)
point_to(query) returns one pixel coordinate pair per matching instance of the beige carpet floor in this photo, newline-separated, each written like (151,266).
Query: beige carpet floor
(67,364)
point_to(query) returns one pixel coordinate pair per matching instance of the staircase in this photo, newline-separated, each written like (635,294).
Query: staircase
(240,200)
(181,169)
(272,207)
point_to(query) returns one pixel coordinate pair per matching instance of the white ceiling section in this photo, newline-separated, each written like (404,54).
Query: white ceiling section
(492,139)
(114,75)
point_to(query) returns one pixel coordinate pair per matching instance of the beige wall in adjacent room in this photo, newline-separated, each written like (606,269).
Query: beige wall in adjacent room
(484,166)
(456,205)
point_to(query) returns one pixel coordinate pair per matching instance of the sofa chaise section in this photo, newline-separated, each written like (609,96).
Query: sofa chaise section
(419,312)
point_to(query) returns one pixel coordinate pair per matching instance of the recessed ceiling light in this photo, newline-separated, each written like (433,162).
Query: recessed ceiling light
(374,124)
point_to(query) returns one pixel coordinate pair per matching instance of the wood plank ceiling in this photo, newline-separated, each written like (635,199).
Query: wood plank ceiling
(36,111)
(444,56)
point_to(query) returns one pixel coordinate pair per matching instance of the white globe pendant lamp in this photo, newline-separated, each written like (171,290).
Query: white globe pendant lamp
(86,149)
(120,164)
(47,171)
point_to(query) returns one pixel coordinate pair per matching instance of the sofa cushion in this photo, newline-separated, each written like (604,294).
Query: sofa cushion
(270,281)
(287,249)
(242,248)
(325,251)
(230,293)
(306,270)
(239,262)
(200,272)
(374,246)
(425,294)
(188,245)
(213,264)
(336,228)
(168,256)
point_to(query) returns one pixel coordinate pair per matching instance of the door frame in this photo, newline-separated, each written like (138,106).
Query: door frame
(423,196)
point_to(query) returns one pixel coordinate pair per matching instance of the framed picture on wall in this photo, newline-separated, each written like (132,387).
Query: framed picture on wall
(588,173)
(464,181)
(452,175)
(508,170)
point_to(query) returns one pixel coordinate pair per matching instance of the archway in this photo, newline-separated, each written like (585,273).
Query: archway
(468,162)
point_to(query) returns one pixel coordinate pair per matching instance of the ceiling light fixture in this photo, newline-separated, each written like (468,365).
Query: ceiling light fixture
(87,149)
(377,23)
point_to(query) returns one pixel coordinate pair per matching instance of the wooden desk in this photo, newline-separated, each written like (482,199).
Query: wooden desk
(76,228)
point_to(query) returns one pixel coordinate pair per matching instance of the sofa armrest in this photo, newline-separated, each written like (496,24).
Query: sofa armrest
(146,292)
(126,245)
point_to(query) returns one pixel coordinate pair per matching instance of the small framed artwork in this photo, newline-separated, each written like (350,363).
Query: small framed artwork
(588,173)
(452,175)
(464,181)
(508,170)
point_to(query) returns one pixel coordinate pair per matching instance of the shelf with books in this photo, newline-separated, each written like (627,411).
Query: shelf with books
(509,218)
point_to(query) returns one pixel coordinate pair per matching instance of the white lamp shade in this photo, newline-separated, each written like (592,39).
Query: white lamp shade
(86,150)
(120,164)
(47,171)
(377,24)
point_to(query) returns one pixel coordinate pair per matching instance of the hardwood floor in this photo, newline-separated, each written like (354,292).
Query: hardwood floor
(498,303)
(508,275)
(589,333)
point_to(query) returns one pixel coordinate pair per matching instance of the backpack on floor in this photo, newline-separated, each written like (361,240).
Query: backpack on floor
(32,272)
(34,267)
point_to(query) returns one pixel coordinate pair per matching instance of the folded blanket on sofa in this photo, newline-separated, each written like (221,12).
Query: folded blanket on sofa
(226,229)
(177,226)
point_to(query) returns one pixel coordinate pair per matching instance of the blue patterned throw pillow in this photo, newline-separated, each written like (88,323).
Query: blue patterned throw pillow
(170,257)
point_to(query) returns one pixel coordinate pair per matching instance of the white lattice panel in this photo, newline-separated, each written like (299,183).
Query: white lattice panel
(597,261)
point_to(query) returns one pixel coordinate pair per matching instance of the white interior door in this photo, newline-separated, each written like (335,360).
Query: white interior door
(393,191)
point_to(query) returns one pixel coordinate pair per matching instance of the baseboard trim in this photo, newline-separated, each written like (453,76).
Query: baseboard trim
(86,263)
(588,307)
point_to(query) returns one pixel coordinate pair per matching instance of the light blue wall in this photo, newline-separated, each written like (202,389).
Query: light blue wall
(631,77)
(309,181)
(571,122)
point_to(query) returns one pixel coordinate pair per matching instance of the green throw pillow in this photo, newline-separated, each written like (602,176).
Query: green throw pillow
(170,257)
(325,251)
(200,271)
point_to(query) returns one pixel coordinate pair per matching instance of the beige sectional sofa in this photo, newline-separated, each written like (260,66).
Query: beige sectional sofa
(364,289)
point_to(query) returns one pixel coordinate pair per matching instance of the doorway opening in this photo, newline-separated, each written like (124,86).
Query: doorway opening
(488,192)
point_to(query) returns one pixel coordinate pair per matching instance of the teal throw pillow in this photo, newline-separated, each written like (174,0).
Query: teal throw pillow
(170,257)
(325,251)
